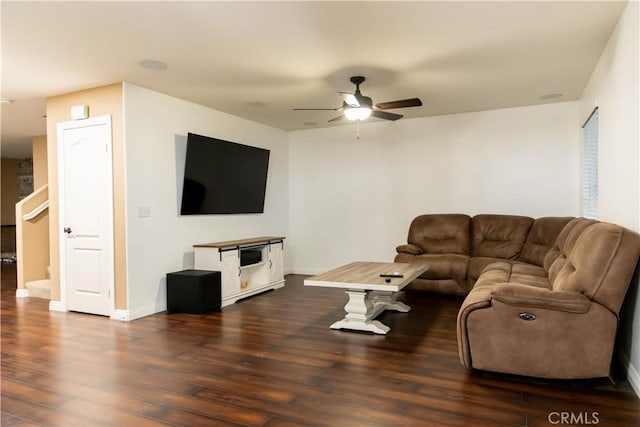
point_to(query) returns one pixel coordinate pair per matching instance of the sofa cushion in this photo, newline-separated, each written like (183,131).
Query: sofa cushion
(563,245)
(531,281)
(600,264)
(531,275)
(494,273)
(441,233)
(501,271)
(523,269)
(542,236)
(499,236)
(477,266)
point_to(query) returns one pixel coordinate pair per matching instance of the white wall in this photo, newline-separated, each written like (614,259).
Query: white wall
(614,87)
(156,128)
(354,199)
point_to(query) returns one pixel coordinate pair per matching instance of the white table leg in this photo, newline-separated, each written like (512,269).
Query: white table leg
(390,302)
(362,309)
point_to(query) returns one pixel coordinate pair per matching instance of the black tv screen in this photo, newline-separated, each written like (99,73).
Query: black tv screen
(222,177)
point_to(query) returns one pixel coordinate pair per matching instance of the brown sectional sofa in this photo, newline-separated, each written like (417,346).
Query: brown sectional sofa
(543,295)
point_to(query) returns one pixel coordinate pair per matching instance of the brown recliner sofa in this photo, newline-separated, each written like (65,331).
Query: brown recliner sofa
(543,295)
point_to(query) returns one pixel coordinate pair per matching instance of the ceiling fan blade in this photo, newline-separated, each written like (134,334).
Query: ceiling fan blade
(317,109)
(335,119)
(412,102)
(385,115)
(349,99)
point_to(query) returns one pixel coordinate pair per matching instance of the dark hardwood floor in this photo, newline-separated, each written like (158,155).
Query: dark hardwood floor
(271,360)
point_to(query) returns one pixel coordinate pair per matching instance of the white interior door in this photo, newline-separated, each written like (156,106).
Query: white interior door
(86,215)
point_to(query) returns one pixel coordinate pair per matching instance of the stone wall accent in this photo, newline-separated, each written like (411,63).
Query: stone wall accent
(25,178)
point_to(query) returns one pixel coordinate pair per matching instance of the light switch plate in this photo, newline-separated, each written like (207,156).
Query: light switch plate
(144,211)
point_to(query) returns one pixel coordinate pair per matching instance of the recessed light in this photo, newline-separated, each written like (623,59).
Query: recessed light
(550,96)
(151,64)
(310,123)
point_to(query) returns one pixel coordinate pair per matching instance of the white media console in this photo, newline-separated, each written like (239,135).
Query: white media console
(247,266)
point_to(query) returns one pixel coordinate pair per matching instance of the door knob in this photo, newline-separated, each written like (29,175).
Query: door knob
(67,230)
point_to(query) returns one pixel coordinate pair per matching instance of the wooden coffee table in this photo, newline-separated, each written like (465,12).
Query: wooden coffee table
(369,294)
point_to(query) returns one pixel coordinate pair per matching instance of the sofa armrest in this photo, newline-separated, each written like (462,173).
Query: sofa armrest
(409,249)
(477,299)
(515,294)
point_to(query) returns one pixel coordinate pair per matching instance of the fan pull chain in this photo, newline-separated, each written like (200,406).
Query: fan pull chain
(357,129)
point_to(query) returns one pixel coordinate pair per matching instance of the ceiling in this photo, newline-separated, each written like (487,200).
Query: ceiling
(259,60)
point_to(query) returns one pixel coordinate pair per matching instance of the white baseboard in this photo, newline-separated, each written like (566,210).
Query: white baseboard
(122,315)
(22,293)
(57,306)
(126,315)
(147,310)
(632,374)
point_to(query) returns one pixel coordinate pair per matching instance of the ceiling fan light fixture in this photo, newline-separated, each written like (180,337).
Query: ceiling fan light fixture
(356,107)
(357,113)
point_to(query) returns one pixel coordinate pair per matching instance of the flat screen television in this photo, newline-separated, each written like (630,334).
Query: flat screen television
(223,177)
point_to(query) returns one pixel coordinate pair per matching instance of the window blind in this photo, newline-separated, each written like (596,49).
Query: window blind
(590,166)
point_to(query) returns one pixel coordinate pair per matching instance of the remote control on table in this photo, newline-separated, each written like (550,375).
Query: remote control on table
(392,275)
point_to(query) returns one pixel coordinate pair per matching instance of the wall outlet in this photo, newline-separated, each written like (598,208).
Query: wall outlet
(144,211)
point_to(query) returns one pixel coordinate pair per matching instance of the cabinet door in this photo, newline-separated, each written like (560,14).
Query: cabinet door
(230,271)
(276,271)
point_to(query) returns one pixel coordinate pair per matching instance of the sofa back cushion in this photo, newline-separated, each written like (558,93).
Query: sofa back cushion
(557,255)
(441,233)
(499,236)
(541,238)
(600,264)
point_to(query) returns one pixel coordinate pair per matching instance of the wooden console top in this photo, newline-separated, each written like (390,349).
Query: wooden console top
(242,242)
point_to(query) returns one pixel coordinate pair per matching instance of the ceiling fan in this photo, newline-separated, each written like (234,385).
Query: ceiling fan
(356,106)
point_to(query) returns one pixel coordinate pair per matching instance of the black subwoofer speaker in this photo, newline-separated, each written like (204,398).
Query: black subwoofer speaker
(193,291)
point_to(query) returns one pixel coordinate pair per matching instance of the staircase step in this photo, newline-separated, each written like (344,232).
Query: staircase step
(40,288)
